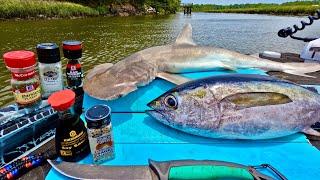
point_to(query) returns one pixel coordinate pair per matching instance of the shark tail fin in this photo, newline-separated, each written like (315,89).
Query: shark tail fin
(301,69)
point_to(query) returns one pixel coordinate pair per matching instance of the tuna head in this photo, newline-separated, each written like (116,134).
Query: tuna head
(186,109)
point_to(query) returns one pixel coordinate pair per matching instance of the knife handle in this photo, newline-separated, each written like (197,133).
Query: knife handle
(204,169)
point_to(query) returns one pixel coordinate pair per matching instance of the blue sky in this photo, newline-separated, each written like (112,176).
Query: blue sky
(233,1)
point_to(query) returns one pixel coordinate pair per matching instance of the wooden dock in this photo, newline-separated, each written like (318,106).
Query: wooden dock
(187,8)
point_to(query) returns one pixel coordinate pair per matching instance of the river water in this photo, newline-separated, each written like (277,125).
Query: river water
(109,39)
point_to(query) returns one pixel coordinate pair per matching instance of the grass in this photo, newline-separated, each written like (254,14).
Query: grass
(46,8)
(290,8)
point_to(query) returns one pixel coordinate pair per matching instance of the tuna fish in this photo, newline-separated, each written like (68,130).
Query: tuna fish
(108,81)
(238,107)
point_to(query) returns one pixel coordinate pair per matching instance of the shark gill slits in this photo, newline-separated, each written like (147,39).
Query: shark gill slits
(171,102)
(254,99)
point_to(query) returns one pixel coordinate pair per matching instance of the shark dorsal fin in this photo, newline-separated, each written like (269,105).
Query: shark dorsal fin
(185,36)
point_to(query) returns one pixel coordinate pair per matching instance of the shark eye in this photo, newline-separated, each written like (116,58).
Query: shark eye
(171,102)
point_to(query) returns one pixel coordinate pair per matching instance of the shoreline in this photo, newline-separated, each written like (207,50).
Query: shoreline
(74,17)
(257,13)
(141,14)
(271,14)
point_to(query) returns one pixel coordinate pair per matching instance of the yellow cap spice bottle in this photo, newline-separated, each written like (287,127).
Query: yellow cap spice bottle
(25,81)
(100,133)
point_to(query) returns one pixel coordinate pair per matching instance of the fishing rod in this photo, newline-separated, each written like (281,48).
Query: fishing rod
(291,31)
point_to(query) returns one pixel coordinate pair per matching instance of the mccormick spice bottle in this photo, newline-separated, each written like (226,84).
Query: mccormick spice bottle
(100,133)
(25,81)
(71,135)
(72,50)
(50,68)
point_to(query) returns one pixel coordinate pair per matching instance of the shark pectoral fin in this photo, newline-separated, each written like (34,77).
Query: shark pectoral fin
(99,70)
(298,73)
(223,63)
(173,78)
(185,36)
(311,131)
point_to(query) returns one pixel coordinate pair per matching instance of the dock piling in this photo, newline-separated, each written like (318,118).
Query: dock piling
(187,8)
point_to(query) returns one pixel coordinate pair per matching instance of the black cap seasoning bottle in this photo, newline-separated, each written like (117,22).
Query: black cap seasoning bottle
(71,135)
(50,68)
(72,50)
(98,120)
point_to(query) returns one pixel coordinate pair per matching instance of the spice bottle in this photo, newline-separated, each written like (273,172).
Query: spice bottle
(25,81)
(72,50)
(50,68)
(100,133)
(71,135)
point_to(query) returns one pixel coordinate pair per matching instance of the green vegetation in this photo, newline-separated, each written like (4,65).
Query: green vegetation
(164,6)
(289,8)
(36,8)
(71,8)
(161,6)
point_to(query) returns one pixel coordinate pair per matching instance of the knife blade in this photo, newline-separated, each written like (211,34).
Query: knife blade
(84,171)
(165,170)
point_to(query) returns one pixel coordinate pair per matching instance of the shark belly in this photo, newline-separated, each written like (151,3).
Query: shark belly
(197,64)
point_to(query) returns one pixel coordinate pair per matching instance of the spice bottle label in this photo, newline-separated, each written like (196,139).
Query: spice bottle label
(23,75)
(76,141)
(27,94)
(101,144)
(51,78)
(74,75)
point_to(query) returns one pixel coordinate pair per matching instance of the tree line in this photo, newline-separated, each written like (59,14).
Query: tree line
(290,8)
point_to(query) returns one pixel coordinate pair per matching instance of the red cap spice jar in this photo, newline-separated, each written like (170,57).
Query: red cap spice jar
(71,135)
(25,81)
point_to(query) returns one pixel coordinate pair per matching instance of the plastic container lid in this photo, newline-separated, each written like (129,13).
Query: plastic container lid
(62,100)
(97,116)
(72,49)
(19,59)
(48,53)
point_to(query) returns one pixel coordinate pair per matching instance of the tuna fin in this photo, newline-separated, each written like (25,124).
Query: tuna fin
(185,36)
(173,78)
(301,69)
(311,131)
(254,99)
(99,70)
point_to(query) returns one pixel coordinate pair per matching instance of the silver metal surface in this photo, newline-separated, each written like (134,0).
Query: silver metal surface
(83,171)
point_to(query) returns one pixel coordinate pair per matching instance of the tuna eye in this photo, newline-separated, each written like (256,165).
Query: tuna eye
(171,102)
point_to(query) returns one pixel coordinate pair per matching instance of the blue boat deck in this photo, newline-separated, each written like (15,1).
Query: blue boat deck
(138,137)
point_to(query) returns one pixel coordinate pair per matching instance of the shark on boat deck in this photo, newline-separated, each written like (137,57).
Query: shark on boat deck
(108,81)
